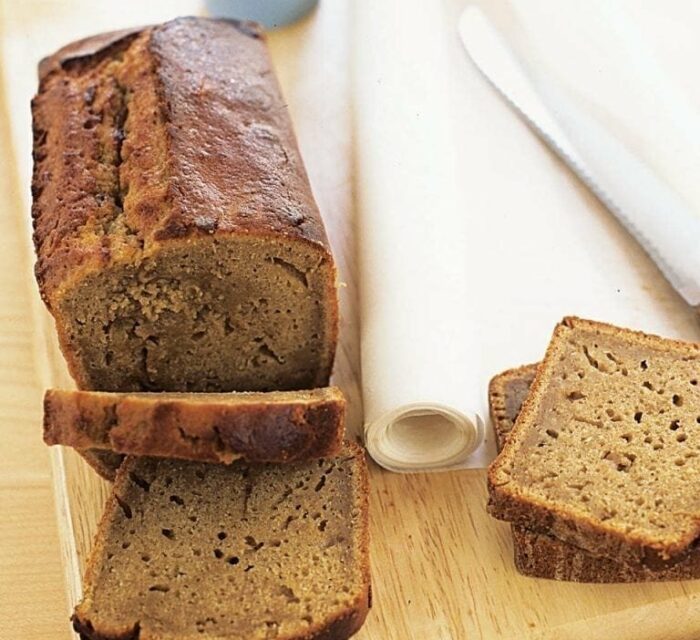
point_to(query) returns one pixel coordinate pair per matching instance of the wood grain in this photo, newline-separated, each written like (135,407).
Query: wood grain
(442,569)
(33,599)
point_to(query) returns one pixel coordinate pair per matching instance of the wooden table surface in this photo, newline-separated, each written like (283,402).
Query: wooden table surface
(442,569)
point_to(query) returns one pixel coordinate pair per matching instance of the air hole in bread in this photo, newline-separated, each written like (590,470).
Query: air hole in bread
(139,481)
(126,509)
(162,588)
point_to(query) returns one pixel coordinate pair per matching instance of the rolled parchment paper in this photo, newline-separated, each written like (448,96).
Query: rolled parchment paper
(420,353)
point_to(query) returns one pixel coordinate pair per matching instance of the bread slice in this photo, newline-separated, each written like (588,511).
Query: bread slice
(605,453)
(539,555)
(194,550)
(179,247)
(277,426)
(507,393)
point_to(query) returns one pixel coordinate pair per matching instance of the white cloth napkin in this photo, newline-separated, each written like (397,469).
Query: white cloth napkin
(474,241)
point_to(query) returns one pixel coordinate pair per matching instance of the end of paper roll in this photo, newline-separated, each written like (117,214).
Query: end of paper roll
(423,437)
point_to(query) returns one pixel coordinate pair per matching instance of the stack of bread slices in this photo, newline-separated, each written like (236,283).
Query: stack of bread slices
(599,468)
(184,260)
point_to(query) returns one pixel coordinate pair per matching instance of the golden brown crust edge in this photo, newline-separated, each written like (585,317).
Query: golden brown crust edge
(540,555)
(299,429)
(505,502)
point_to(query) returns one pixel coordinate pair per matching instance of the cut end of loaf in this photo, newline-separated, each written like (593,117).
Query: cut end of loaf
(605,453)
(188,549)
(239,313)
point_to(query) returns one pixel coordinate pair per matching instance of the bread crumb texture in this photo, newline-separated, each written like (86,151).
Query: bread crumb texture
(540,555)
(195,550)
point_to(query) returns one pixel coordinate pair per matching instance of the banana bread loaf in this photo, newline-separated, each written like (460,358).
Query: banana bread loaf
(275,426)
(195,550)
(178,244)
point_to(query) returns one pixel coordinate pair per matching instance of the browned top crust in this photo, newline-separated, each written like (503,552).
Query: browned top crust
(161,134)
(102,44)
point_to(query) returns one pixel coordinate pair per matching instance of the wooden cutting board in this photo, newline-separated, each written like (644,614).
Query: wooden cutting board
(441,567)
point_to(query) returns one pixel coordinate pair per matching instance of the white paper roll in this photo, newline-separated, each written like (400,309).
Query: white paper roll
(420,354)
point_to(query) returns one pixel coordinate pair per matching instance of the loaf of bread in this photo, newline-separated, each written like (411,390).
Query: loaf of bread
(605,452)
(179,247)
(540,555)
(194,550)
(273,426)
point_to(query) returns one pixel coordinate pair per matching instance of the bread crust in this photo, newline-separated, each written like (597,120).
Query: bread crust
(260,427)
(338,626)
(540,555)
(599,538)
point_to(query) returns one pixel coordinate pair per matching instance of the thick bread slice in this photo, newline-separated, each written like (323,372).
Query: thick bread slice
(539,555)
(191,550)
(277,426)
(605,453)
